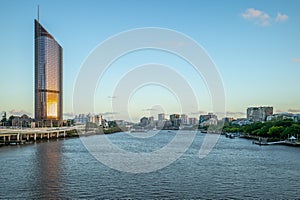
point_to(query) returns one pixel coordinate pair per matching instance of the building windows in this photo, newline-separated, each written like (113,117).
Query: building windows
(48,76)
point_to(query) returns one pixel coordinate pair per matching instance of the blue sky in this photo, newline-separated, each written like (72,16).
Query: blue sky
(254,43)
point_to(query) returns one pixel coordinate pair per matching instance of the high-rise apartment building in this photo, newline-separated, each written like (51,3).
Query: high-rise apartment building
(259,114)
(184,119)
(203,118)
(161,117)
(48,78)
(175,120)
(193,121)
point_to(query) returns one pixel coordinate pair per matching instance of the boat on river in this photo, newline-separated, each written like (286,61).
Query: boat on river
(139,130)
(230,135)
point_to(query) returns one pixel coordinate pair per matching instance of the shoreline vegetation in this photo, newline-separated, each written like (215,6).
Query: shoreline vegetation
(285,131)
(100,130)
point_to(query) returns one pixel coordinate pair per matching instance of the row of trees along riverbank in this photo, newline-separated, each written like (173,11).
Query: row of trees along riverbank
(274,130)
(112,128)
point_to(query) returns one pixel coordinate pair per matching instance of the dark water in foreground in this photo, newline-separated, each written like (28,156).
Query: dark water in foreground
(234,169)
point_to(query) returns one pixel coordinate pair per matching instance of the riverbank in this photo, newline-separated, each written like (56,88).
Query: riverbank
(275,130)
(18,137)
(269,141)
(28,136)
(99,131)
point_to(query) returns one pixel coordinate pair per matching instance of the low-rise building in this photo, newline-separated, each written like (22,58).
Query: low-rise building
(144,121)
(284,116)
(207,120)
(161,117)
(175,120)
(184,119)
(297,117)
(241,121)
(193,121)
(80,119)
(211,121)
(203,118)
(98,120)
(91,118)
(227,119)
(23,121)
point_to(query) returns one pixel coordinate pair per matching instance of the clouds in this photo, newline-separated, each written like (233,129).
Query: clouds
(200,112)
(281,17)
(296,60)
(149,109)
(69,115)
(259,17)
(232,113)
(108,113)
(292,110)
(227,113)
(262,18)
(18,112)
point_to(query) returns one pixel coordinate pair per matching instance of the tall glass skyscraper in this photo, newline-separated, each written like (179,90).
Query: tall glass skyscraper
(48,78)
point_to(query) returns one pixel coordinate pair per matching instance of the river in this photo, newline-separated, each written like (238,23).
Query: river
(234,169)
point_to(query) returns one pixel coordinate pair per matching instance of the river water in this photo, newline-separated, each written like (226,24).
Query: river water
(234,169)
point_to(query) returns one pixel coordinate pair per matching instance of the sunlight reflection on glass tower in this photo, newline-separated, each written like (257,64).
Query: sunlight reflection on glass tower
(48,78)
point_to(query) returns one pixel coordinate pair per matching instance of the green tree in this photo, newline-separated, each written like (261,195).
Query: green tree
(252,128)
(3,120)
(276,131)
(112,124)
(284,123)
(9,121)
(263,131)
(292,130)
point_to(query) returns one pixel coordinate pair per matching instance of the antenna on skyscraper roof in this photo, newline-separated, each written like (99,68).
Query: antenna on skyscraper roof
(38,13)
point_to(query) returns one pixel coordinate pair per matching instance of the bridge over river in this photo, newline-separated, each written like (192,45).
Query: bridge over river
(19,136)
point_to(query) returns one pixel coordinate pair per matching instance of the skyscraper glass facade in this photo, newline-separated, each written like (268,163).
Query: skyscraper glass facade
(48,77)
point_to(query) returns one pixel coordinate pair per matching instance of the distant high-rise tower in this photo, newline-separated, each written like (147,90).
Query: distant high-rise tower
(48,78)
(259,114)
(161,117)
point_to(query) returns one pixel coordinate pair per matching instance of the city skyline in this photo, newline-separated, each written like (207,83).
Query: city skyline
(254,45)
